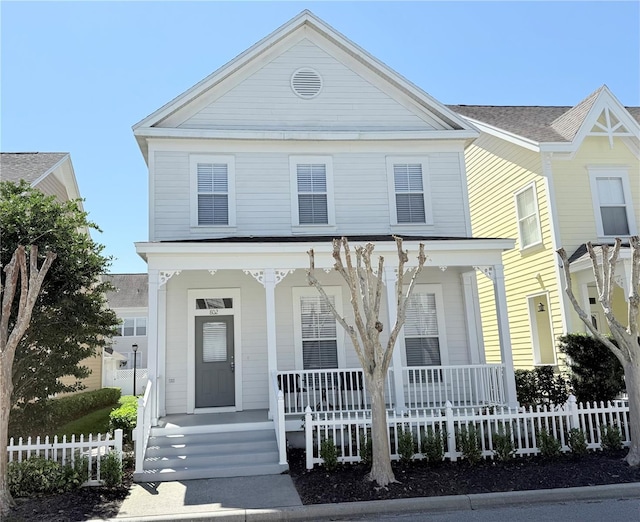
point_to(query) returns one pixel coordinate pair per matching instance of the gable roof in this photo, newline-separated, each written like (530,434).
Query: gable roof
(29,166)
(542,124)
(304,21)
(131,290)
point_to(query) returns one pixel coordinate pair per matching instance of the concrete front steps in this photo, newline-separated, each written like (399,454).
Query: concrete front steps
(213,451)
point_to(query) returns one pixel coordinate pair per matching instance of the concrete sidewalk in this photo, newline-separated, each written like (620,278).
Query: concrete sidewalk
(274,498)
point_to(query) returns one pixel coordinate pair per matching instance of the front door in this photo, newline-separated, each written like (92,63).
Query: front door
(215,382)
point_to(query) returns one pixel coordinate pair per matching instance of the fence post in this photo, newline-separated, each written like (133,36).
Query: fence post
(572,407)
(308,436)
(118,443)
(451,432)
(138,437)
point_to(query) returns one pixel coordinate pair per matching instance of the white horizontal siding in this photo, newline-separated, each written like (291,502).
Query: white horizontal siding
(347,100)
(263,195)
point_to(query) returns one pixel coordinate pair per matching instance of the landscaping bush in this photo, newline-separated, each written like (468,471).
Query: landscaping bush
(577,442)
(433,445)
(38,417)
(39,476)
(503,448)
(610,438)
(366,450)
(125,417)
(406,445)
(469,443)
(541,387)
(329,454)
(595,373)
(549,446)
(111,469)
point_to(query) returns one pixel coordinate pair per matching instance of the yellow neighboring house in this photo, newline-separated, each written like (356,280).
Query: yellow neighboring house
(552,177)
(52,173)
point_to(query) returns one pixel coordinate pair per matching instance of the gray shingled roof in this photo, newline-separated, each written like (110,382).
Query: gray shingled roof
(29,166)
(538,123)
(131,290)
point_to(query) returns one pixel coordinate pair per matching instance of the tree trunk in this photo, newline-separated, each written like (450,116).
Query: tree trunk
(5,406)
(381,471)
(632,380)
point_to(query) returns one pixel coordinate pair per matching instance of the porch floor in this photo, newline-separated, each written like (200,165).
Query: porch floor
(184,420)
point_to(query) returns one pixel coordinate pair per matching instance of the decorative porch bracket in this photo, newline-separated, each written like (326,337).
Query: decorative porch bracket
(488,271)
(165,275)
(269,278)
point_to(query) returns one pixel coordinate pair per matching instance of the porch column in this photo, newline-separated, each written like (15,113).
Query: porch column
(152,339)
(161,380)
(505,337)
(390,279)
(474,320)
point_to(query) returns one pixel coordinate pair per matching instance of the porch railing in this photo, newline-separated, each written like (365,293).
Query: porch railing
(344,389)
(143,426)
(279,420)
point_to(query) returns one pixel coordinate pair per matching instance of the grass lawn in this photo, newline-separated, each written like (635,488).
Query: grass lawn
(94,422)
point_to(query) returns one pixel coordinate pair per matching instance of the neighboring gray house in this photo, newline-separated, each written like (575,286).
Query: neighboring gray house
(129,302)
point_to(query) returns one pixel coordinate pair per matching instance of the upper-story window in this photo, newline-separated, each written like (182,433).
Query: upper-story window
(213,195)
(312,191)
(408,191)
(528,216)
(612,204)
(132,326)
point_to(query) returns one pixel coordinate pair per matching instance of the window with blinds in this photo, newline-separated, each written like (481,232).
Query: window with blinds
(409,191)
(312,194)
(421,336)
(528,218)
(319,334)
(213,194)
(613,207)
(214,342)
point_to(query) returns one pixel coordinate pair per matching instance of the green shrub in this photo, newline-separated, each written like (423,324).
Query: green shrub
(366,449)
(111,469)
(503,448)
(406,445)
(38,417)
(541,387)
(595,373)
(329,454)
(125,417)
(433,445)
(469,443)
(577,442)
(611,438)
(39,476)
(550,447)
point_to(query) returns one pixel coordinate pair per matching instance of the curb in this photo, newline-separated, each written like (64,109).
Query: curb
(404,505)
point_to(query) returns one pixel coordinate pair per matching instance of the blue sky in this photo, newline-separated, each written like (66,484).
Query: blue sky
(77,75)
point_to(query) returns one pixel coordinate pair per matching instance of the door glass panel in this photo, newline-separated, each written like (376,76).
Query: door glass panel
(214,303)
(214,342)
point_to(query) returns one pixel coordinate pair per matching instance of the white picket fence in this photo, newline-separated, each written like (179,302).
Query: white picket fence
(67,451)
(347,429)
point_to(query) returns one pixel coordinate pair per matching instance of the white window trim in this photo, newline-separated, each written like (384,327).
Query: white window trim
(192,312)
(135,320)
(194,159)
(611,171)
(530,186)
(426,188)
(294,161)
(297,293)
(436,289)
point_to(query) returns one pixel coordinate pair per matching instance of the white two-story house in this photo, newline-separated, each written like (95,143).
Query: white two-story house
(303,138)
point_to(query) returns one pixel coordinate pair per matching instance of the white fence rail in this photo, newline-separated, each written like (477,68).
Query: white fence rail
(66,451)
(347,429)
(277,408)
(123,379)
(142,430)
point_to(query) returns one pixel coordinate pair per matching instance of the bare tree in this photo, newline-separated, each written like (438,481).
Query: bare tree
(628,349)
(12,328)
(365,287)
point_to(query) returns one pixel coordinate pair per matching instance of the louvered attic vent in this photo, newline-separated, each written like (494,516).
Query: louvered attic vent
(306,83)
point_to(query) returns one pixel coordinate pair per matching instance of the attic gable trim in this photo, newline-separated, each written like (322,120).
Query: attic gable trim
(342,42)
(324,135)
(506,135)
(50,170)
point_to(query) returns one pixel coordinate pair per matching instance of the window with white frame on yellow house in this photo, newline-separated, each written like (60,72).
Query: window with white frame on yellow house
(612,202)
(528,217)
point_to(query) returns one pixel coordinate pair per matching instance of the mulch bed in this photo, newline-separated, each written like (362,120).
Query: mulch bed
(419,479)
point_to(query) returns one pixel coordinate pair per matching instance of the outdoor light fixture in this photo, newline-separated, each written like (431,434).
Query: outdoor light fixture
(541,307)
(134,347)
